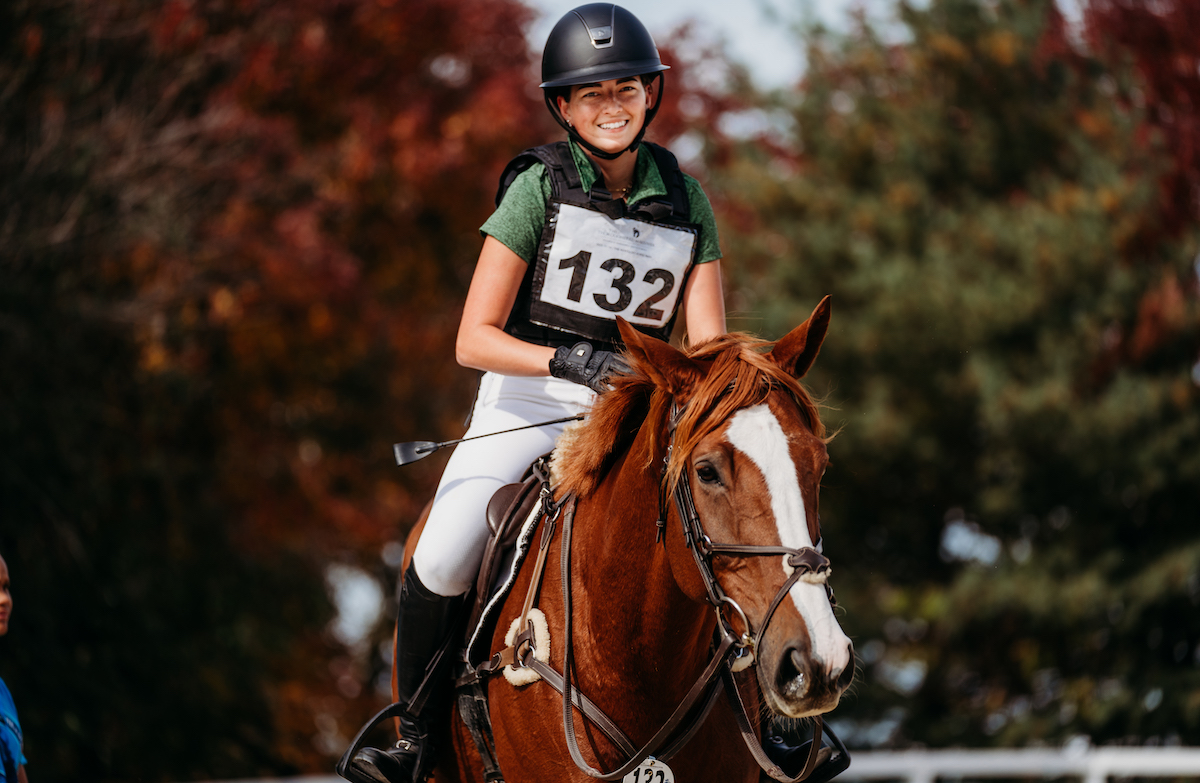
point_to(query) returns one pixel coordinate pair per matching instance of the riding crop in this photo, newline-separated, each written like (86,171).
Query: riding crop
(412,451)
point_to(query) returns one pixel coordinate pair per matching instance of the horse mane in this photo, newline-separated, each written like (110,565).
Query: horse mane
(738,374)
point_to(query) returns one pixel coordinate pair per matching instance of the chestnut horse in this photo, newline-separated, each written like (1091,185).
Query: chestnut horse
(727,431)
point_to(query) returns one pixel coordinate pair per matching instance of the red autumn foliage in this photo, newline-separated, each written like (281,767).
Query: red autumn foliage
(1162,39)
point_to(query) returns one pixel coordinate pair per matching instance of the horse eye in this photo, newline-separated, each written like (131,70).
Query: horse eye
(708,474)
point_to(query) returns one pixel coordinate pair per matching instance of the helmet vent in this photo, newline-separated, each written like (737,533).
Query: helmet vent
(601,34)
(602,37)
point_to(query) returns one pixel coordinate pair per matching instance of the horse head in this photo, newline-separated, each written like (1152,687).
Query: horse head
(745,438)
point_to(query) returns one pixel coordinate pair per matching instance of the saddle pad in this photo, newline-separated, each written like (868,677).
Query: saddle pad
(479,641)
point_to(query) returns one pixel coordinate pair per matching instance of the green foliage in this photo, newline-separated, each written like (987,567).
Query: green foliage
(1009,362)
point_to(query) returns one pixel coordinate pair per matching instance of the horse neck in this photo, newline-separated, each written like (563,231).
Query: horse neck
(629,607)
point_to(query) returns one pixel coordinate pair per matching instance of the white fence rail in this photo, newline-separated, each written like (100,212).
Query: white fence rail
(1092,765)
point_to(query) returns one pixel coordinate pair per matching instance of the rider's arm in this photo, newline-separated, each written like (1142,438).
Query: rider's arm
(21,775)
(482,342)
(704,303)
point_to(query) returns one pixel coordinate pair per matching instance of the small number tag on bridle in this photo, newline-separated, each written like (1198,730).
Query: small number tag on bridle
(651,771)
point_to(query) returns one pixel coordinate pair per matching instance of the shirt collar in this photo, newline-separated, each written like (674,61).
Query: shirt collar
(647,181)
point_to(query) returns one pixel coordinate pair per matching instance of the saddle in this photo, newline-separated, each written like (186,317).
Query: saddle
(513,515)
(508,514)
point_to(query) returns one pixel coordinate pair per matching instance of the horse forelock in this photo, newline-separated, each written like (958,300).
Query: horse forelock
(739,374)
(742,375)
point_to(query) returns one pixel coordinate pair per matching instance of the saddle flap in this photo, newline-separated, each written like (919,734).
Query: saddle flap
(508,508)
(500,503)
(507,511)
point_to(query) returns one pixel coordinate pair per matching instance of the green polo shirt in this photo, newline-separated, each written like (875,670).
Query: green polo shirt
(521,216)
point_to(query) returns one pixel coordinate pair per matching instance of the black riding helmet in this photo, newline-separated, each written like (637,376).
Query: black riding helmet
(593,43)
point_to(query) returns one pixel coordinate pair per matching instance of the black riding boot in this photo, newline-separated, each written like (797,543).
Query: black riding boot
(424,620)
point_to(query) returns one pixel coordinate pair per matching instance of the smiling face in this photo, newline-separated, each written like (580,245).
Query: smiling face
(608,114)
(6,601)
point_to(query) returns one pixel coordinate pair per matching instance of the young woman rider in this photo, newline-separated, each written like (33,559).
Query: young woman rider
(602,226)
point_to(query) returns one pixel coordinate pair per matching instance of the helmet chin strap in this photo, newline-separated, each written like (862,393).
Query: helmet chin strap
(552,105)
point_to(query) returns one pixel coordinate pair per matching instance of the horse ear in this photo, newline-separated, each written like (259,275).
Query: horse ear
(666,367)
(798,349)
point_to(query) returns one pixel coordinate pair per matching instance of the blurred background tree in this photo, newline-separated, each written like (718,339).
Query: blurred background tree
(235,239)
(1007,222)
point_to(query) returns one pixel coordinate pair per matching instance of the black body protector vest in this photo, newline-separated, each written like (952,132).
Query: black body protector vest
(597,259)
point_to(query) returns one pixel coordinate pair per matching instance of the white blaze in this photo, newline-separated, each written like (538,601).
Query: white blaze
(756,433)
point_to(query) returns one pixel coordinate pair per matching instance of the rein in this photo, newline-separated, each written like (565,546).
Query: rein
(806,563)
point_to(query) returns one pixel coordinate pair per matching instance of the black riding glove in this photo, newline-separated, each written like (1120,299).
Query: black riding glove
(584,365)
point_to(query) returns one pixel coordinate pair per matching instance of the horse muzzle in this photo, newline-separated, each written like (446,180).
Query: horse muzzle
(803,684)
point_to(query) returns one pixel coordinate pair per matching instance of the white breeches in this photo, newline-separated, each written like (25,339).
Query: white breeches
(451,547)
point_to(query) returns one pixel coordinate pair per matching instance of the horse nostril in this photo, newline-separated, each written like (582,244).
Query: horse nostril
(847,673)
(792,681)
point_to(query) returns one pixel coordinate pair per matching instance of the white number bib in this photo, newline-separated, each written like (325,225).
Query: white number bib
(597,268)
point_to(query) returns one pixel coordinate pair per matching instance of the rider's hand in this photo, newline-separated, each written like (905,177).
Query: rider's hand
(583,364)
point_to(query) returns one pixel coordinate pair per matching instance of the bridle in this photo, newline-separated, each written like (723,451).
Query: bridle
(807,563)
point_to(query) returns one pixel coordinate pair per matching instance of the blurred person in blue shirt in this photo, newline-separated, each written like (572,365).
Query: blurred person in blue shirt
(12,760)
